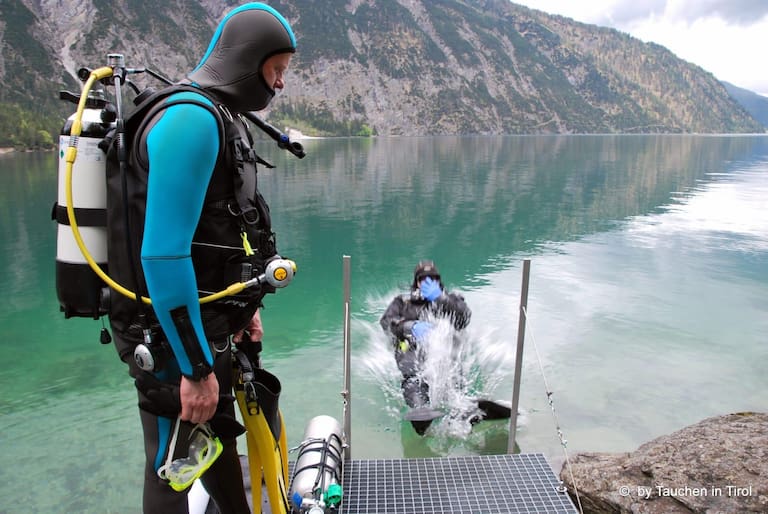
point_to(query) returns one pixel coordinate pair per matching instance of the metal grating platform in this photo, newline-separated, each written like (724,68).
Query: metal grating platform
(486,484)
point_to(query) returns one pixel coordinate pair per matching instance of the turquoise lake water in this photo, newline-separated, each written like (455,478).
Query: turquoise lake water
(648,301)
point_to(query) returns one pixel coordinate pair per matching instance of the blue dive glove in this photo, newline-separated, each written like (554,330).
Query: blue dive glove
(430,289)
(420,330)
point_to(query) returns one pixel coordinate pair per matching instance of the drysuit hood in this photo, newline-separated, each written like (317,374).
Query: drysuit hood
(425,269)
(231,68)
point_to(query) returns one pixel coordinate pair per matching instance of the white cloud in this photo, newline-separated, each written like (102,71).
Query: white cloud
(732,12)
(725,37)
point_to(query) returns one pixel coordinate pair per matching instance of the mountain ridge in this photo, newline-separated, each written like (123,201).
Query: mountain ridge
(755,104)
(388,67)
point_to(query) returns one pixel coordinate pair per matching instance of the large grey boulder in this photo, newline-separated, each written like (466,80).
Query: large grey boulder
(719,465)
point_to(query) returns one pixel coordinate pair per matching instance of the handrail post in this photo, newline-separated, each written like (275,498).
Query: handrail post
(346,393)
(511,444)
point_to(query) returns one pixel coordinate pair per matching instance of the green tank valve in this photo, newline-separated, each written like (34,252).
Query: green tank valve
(333,495)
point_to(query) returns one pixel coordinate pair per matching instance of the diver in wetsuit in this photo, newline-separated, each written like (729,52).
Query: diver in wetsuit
(406,321)
(190,222)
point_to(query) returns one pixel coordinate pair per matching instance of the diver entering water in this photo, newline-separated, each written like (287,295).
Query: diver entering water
(406,320)
(409,321)
(184,219)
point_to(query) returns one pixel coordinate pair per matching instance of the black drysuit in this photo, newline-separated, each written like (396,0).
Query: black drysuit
(398,320)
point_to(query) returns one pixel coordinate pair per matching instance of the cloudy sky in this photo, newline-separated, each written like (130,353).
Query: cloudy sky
(728,38)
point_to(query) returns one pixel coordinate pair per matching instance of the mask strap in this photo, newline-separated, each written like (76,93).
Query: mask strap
(171,450)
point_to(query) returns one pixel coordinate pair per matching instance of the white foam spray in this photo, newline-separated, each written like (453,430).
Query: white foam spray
(460,368)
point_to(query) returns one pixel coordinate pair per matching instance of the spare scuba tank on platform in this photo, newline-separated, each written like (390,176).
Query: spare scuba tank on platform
(316,483)
(80,291)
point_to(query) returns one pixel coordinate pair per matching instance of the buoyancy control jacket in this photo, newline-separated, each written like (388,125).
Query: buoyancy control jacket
(233,239)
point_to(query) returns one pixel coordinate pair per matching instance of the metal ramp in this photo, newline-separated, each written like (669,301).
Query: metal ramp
(478,484)
(484,484)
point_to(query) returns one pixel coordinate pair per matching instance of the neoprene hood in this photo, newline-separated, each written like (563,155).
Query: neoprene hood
(243,41)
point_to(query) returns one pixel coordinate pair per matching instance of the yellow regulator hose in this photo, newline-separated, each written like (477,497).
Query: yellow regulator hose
(69,156)
(277,273)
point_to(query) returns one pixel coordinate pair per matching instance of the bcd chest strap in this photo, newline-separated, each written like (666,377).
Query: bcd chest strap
(235,152)
(251,205)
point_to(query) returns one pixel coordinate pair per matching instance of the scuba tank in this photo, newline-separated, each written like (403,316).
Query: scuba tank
(83,285)
(316,483)
(80,291)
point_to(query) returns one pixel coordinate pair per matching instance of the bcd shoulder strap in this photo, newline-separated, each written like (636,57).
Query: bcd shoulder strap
(148,109)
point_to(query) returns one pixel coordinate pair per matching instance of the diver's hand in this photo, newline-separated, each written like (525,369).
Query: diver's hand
(421,329)
(199,399)
(254,328)
(430,289)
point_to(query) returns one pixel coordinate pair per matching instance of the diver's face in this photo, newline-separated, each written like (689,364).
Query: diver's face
(274,70)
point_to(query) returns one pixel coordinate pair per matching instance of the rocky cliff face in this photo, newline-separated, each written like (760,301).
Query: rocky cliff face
(407,67)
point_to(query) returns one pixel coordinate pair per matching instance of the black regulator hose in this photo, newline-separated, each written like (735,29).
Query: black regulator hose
(283,141)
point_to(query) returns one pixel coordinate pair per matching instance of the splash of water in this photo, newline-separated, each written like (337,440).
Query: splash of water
(460,368)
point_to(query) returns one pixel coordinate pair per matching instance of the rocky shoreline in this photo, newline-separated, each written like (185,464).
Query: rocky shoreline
(719,465)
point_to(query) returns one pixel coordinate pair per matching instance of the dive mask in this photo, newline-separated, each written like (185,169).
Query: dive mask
(204,449)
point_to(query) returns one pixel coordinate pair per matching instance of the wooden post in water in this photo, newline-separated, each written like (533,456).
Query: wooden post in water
(346,393)
(511,444)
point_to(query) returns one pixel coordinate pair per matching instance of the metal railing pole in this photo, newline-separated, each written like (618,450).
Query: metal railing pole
(346,394)
(511,444)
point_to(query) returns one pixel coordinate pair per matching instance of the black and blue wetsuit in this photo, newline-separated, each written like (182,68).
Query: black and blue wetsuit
(186,220)
(178,185)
